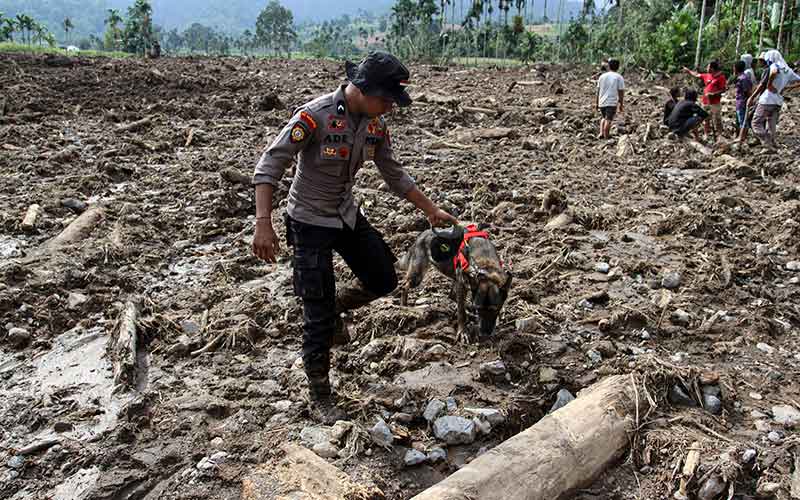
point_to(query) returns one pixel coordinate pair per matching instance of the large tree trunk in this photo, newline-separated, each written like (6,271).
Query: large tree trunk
(780,25)
(700,35)
(764,9)
(741,26)
(564,451)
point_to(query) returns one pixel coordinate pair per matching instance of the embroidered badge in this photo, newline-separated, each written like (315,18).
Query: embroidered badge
(344,152)
(340,107)
(370,152)
(308,120)
(328,152)
(298,133)
(336,124)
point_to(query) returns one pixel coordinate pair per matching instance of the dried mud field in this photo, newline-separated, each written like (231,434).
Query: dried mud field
(640,256)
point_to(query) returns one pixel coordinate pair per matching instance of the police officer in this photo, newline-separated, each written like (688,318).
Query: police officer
(333,135)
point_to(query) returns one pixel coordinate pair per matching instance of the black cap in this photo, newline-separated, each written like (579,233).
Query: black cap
(380,74)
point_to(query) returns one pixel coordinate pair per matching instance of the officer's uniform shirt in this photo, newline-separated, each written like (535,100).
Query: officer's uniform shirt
(332,146)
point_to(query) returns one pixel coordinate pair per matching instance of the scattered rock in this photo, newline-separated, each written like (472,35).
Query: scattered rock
(562,399)
(547,375)
(18,337)
(75,300)
(602,267)
(190,327)
(76,206)
(326,450)
(786,415)
(712,404)
(677,395)
(312,435)
(749,455)
(793,265)
(527,325)
(16,462)
(711,488)
(437,454)
(763,347)
(436,351)
(434,409)
(452,404)
(208,465)
(414,457)
(774,437)
(454,430)
(217,443)
(594,356)
(491,415)
(481,426)
(381,434)
(493,369)
(671,280)
(340,430)
(403,418)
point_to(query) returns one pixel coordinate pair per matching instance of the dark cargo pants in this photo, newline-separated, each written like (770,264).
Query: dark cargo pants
(364,251)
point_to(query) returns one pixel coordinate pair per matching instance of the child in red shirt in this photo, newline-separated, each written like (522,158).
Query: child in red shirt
(716,84)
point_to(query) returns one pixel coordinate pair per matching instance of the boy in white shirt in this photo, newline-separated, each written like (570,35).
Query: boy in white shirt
(610,95)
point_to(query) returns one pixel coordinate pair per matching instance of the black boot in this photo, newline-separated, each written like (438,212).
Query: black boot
(322,401)
(349,298)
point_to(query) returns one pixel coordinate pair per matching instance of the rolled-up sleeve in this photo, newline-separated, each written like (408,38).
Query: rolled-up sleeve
(391,170)
(294,137)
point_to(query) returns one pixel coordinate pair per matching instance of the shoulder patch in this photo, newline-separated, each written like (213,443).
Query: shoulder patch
(308,120)
(298,133)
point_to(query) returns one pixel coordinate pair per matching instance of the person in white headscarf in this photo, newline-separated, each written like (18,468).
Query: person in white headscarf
(747,59)
(778,78)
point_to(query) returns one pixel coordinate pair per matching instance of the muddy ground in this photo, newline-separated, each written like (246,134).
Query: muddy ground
(648,257)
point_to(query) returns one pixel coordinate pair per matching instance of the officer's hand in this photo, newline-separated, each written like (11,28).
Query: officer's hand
(439,217)
(265,241)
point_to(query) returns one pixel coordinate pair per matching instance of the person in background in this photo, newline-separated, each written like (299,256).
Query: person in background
(674,96)
(768,96)
(610,96)
(744,87)
(687,115)
(715,85)
(747,59)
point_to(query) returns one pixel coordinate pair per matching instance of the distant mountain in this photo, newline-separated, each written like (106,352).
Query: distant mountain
(231,16)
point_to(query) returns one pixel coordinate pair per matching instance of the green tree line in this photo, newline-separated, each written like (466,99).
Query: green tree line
(657,34)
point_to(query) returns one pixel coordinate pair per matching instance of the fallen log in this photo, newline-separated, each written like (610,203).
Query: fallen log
(31,217)
(77,229)
(302,474)
(124,346)
(486,111)
(561,453)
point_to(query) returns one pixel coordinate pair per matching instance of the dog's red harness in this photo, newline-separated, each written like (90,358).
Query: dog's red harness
(460,261)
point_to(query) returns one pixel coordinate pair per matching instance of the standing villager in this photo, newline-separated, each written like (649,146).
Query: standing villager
(768,96)
(610,97)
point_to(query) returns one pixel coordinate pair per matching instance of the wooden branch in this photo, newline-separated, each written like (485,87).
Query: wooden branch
(135,126)
(31,217)
(78,229)
(561,453)
(125,345)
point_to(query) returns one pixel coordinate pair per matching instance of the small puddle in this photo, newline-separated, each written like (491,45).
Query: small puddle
(75,372)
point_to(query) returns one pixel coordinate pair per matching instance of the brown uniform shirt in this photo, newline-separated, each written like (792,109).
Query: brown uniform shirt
(332,145)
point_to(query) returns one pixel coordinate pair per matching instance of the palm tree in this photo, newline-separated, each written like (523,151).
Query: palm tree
(700,35)
(67,24)
(113,33)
